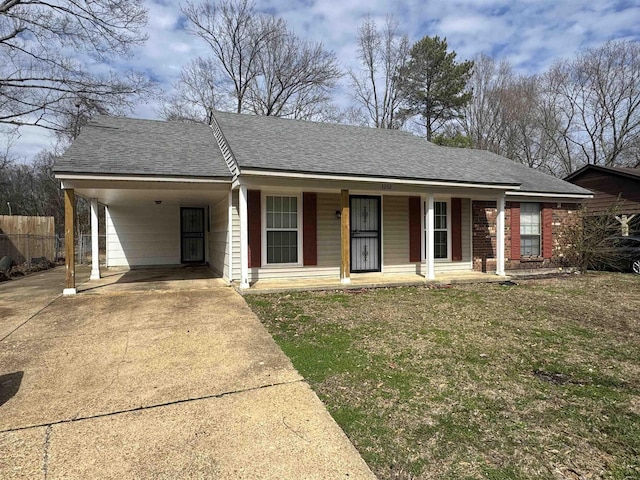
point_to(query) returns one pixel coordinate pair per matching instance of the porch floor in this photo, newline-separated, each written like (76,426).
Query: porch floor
(368,280)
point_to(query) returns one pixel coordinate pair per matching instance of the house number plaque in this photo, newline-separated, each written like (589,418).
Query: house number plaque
(386,186)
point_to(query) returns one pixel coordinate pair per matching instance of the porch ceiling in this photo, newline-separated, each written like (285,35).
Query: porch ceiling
(117,193)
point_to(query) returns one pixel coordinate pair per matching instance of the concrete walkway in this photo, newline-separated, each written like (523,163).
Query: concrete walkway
(154,379)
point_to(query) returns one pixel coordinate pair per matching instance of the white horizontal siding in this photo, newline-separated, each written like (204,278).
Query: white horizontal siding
(218,236)
(395,231)
(143,236)
(256,274)
(328,230)
(235,234)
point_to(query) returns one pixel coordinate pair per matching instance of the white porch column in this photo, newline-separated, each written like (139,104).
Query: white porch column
(500,235)
(244,238)
(430,250)
(95,247)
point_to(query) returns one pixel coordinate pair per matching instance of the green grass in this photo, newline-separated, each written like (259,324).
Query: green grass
(539,380)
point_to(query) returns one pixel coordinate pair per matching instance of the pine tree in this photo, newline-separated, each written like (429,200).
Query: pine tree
(433,84)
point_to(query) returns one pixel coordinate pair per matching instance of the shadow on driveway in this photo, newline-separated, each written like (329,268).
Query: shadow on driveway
(9,385)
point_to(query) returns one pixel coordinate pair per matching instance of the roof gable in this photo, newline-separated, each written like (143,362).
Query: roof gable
(629,172)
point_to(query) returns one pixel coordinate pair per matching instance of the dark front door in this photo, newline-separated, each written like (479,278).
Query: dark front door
(365,233)
(192,235)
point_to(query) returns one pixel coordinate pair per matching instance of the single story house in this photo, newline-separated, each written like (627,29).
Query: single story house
(616,190)
(262,198)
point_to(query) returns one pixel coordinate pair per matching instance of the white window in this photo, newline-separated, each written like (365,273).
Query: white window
(441,229)
(530,229)
(282,229)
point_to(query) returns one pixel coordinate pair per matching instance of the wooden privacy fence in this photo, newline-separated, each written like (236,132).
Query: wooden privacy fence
(24,238)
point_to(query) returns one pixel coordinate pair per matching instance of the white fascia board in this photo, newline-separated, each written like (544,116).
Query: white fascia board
(71,176)
(576,196)
(400,181)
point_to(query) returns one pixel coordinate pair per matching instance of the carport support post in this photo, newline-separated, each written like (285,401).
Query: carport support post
(500,236)
(69,241)
(345,240)
(244,238)
(430,250)
(95,253)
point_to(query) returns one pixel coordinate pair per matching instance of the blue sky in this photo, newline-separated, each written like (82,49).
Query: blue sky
(531,34)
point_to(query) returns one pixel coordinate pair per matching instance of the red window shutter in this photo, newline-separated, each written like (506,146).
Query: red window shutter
(456,229)
(515,231)
(415,227)
(309,228)
(254,214)
(547,230)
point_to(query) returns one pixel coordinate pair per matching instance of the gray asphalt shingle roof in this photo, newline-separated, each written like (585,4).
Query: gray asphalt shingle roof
(116,145)
(269,143)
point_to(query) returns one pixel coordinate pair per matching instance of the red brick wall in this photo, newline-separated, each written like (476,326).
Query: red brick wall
(484,237)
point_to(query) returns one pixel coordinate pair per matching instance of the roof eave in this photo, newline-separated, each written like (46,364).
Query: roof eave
(374,179)
(62,175)
(550,195)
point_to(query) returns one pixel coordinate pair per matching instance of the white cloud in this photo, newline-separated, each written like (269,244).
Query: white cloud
(529,33)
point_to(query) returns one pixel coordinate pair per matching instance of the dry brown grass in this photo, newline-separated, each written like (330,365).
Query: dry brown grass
(538,380)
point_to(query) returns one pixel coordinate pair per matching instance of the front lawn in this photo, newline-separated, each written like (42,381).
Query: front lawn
(537,380)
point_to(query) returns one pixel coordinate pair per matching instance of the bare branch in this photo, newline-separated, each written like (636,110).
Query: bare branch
(39,79)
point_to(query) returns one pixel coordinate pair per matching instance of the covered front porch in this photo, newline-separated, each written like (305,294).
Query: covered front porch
(363,233)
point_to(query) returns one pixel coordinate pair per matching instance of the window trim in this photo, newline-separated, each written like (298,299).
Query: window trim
(539,235)
(447,201)
(263,228)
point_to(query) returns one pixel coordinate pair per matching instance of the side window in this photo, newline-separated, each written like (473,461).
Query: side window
(440,230)
(530,230)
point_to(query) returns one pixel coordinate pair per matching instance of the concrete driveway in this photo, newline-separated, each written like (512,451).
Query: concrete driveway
(154,377)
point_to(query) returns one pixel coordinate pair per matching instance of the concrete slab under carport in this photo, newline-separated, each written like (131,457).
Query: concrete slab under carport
(141,279)
(161,383)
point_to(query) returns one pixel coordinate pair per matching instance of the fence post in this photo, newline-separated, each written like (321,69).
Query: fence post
(29,251)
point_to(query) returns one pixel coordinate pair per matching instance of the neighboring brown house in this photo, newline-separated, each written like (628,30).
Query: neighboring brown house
(614,189)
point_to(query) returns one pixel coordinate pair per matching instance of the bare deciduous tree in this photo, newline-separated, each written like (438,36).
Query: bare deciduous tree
(199,91)
(236,35)
(258,61)
(382,53)
(598,96)
(295,77)
(482,120)
(515,116)
(41,44)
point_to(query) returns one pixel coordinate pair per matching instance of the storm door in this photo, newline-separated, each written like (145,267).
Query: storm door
(192,235)
(365,233)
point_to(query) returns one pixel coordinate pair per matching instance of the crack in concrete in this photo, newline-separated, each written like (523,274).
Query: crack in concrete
(28,319)
(150,407)
(45,456)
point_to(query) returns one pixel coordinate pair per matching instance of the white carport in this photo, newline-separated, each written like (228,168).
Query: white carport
(145,220)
